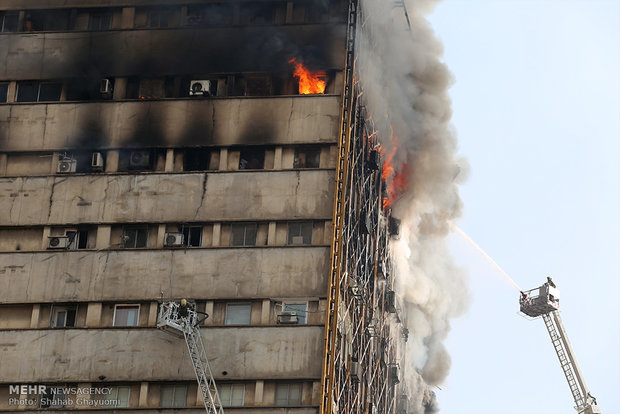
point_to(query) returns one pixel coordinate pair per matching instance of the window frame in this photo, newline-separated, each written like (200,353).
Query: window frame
(249,315)
(3,18)
(306,150)
(174,390)
(136,228)
(289,236)
(55,310)
(230,401)
(5,98)
(122,404)
(100,15)
(245,241)
(187,237)
(60,396)
(37,91)
(126,305)
(288,394)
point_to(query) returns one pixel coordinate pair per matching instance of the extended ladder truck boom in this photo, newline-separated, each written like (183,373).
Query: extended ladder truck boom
(545,301)
(182,320)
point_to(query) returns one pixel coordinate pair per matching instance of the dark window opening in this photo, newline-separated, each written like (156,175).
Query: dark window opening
(210,15)
(27,91)
(192,236)
(63,316)
(152,88)
(83,89)
(38,92)
(4,92)
(260,13)
(133,88)
(159,18)
(135,237)
(78,239)
(252,158)
(196,159)
(47,20)
(50,92)
(8,22)
(100,20)
(257,86)
(300,233)
(307,157)
(138,160)
(243,234)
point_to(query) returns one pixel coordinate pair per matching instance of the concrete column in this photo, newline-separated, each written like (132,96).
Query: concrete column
(144,391)
(34,318)
(325,158)
(271,234)
(169,165)
(199,401)
(111,161)
(55,159)
(223,159)
(93,314)
(152,314)
(127,17)
(209,311)
(103,236)
(84,397)
(265,312)
(289,12)
(3,162)
(277,159)
(258,392)
(161,233)
(46,235)
(11,94)
(217,230)
(120,88)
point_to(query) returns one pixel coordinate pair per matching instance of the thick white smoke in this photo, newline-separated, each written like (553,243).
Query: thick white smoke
(405,88)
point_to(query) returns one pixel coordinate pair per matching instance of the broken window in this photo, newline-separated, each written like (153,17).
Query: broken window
(192,236)
(135,237)
(238,313)
(299,233)
(100,20)
(8,21)
(307,157)
(288,394)
(231,395)
(196,159)
(126,315)
(78,239)
(4,92)
(173,396)
(252,158)
(243,234)
(63,316)
(38,91)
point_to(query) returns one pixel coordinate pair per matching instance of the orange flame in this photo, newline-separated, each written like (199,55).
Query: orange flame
(310,82)
(395,179)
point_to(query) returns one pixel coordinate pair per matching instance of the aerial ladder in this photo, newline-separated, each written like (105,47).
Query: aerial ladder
(545,301)
(182,320)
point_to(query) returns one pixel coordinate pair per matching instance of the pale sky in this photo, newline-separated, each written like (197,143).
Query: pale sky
(536,105)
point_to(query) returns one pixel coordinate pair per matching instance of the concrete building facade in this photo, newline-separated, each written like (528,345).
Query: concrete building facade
(121,185)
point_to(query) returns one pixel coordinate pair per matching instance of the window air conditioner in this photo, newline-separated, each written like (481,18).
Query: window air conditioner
(58,242)
(140,159)
(173,239)
(200,88)
(288,318)
(96,162)
(66,165)
(105,87)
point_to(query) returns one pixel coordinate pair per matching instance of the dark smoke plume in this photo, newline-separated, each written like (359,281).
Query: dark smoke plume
(406,92)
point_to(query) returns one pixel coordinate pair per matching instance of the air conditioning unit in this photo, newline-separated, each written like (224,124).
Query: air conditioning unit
(58,242)
(297,240)
(96,162)
(140,159)
(173,239)
(200,88)
(288,318)
(105,87)
(355,370)
(66,165)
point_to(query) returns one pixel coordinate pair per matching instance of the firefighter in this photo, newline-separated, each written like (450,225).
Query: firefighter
(183,308)
(550,282)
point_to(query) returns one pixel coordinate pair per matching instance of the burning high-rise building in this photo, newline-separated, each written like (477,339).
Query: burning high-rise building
(229,153)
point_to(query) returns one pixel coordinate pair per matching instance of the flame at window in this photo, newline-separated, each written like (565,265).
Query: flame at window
(310,82)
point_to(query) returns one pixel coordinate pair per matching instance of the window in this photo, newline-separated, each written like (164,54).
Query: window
(196,159)
(44,20)
(126,315)
(78,239)
(238,314)
(53,397)
(135,237)
(158,18)
(307,157)
(288,394)
(8,21)
(118,397)
(173,396)
(63,316)
(215,14)
(257,86)
(252,159)
(4,91)
(243,234)
(152,88)
(300,309)
(259,13)
(231,395)
(38,92)
(101,20)
(300,233)
(192,236)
